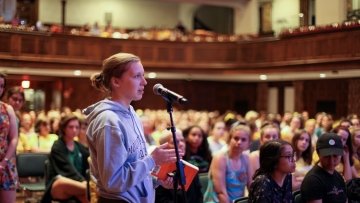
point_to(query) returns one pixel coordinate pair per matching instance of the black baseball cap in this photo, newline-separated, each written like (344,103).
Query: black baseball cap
(329,144)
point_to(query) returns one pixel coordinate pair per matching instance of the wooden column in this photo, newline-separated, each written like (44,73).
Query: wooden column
(63,14)
(262,96)
(299,96)
(304,9)
(354,96)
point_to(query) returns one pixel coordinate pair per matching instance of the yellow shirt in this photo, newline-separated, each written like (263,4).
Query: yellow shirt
(24,141)
(43,143)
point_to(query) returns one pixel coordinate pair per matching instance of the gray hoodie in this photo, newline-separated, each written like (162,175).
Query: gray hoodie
(120,161)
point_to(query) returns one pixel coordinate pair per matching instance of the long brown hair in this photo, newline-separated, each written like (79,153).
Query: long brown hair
(307,154)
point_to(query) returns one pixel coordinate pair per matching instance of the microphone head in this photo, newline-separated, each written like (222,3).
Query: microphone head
(156,88)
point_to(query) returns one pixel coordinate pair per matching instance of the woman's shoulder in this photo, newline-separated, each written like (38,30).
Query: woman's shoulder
(262,181)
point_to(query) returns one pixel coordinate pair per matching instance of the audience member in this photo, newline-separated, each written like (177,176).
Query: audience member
(26,133)
(229,172)
(16,98)
(325,124)
(67,164)
(309,127)
(323,183)
(301,143)
(272,181)
(197,148)
(44,140)
(287,132)
(355,138)
(193,194)
(268,132)
(8,140)
(148,126)
(346,165)
(216,138)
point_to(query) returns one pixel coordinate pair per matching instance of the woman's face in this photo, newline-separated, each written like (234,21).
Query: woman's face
(44,128)
(269,134)
(72,129)
(180,142)
(287,160)
(295,123)
(130,86)
(240,140)
(330,162)
(195,137)
(219,129)
(344,136)
(26,121)
(357,139)
(16,101)
(303,142)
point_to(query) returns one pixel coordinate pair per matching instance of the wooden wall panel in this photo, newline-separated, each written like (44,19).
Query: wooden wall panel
(78,93)
(5,42)
(354,96)
(326,91)
(203,95)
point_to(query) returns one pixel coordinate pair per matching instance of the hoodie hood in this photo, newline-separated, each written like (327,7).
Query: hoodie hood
(93,110)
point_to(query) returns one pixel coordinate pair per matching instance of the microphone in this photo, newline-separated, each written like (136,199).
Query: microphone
(168,95)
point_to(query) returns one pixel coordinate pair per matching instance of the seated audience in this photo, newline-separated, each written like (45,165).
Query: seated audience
(67,164)
(16,98)
(216,138)
(268,132)
(309,127)
(81,138)
(44,140)
(346,165)
(355,138)
(197,148)
(26,133)
(301,143)
(323,183)
(325,124)
(287,132)
(167,195)
(272,181)
(229,172)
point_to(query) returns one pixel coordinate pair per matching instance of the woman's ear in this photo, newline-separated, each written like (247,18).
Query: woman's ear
(115,82)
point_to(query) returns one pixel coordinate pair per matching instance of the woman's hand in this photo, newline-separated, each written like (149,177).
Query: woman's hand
(168,183)
(162,154)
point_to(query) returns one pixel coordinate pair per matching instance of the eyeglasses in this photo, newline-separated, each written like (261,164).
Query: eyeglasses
(17,99)
(290,158)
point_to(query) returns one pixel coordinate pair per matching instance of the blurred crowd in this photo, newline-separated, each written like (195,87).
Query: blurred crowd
(208,134)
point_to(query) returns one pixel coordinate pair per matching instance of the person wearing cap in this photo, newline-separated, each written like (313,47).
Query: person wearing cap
(323,183)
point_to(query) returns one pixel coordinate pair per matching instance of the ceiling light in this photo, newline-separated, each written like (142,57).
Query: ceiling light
(77,72)
(25,84)
(152,75)
(322,75)
(263,77)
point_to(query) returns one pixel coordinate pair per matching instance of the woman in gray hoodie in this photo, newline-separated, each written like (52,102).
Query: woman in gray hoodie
(120,161)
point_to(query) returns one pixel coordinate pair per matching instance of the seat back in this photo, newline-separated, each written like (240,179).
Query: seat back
(204,180)
(31,164)
(241,200)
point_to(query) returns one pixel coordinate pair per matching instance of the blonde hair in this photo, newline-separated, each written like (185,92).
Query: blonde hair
(114,66)
(166,135)
(236,128)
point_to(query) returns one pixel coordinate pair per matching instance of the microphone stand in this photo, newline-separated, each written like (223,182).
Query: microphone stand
(180,174)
